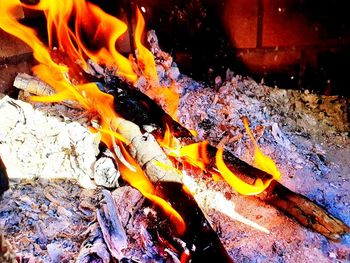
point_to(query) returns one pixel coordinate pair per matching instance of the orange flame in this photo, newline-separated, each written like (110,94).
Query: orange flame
(168,95)
(194,154)
(104,28)
(168,141)
(144,56)
(261,161)
(139,180)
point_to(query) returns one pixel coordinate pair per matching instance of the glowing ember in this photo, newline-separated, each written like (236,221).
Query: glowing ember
(104,30)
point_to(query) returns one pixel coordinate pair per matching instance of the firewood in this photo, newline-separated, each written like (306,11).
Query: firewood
(136,106)
(305,211)
(147,152)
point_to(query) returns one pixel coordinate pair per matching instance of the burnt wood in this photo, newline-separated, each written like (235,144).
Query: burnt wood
(135,106)
(199,235)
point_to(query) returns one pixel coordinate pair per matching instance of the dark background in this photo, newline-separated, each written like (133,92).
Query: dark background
(299,44)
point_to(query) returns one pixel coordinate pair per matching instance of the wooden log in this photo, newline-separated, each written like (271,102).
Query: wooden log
(136,106)
(144,148)
(143,112)
(305,211)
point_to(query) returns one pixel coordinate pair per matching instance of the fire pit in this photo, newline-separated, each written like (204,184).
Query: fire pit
(114,157)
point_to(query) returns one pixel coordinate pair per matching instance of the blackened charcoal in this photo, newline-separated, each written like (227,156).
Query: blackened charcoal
(206,124)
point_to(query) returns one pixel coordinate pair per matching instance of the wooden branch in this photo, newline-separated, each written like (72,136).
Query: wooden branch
(147,152)
(305,211)
(136,106)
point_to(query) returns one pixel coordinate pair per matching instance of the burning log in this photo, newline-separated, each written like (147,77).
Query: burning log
(143,112)
(199,237)
(137,107)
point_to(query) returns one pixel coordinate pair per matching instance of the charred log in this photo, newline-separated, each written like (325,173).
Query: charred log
(204,244)
(144,148)
(137,107)
(140,111)
(305,211)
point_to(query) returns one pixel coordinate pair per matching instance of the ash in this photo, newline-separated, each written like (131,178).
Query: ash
(307,135)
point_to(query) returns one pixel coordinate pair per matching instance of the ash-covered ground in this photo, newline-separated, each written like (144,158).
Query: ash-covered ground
(307,135)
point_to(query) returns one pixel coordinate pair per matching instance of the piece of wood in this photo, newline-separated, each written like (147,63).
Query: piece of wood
(144,148)
(305,211)
(136,106)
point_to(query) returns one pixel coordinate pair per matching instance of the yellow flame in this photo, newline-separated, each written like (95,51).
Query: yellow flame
(235,182)
(104,28)
(139,180)
(194,154)
(144,56)
(168,95)
(262,161)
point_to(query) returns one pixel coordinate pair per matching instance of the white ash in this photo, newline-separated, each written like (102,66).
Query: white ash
(36,145)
